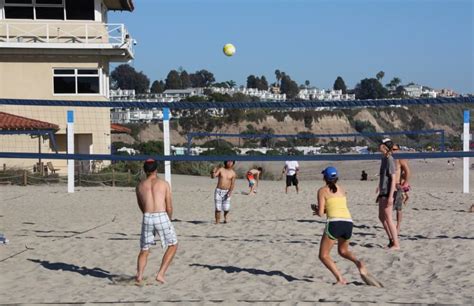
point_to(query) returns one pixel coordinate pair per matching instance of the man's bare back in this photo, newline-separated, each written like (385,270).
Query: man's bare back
(154,195)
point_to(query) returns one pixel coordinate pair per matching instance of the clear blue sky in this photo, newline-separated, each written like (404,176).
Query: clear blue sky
(429,42)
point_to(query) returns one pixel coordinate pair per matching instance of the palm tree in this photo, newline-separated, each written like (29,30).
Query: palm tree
(278,76)
(306,83)
(231,83)
(396,81)
(380,75)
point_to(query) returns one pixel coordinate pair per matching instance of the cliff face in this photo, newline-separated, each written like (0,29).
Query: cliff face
(448,118)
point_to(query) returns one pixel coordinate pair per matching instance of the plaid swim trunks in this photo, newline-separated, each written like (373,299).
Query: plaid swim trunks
(221,200)
(157,223)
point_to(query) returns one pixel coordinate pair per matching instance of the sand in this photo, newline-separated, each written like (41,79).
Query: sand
(82,247)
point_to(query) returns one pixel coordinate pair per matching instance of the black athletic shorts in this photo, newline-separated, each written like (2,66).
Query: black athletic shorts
(386,196)
(339,229)
(291,179)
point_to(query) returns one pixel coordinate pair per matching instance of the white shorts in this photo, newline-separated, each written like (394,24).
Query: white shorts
(221,199)
(157,223)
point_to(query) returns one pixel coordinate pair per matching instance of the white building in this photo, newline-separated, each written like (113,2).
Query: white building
(129,95)
(115,94)
(446,93)
(135,115)
(413,90)
(263,95)
(417,91)
(324,95)
(60,50)
(179,94)
(429,93)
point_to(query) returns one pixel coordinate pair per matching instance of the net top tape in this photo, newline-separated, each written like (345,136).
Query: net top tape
(213,158)
(242,105)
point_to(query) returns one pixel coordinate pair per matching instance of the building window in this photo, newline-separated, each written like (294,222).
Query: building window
(76,81)
(80,10)
(50,9)
(19,9)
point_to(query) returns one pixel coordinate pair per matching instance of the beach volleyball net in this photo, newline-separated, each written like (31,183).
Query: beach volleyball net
(308,143)
(102,157)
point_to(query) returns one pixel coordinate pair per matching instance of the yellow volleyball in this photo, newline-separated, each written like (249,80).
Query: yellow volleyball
(229,49)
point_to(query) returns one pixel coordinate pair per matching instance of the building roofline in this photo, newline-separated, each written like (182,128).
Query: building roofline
(14,122)
(120,5)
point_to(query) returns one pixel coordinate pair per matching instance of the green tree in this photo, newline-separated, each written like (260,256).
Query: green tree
(370,89)
(126,77)
(151,148)
(416,124)
(267,141)
(278,77)
(173,80)
(400,91)
(196,99)
(202,78)
(185,79)
(339,84)
(364,127)
(251,81)
(219,147)
(157,87)
(306,83)
(263,84)
(257,82)
(289,87)
(394,83)
(305,139)
(221,85)
(380,75)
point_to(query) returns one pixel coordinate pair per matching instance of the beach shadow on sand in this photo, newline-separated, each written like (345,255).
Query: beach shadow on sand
(191,221)
(232,269)
(417,237)
(61,266)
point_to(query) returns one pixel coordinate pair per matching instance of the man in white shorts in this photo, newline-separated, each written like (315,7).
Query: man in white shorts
(154,200)
(225,185)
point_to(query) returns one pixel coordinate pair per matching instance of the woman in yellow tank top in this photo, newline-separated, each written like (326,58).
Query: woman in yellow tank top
(332,202)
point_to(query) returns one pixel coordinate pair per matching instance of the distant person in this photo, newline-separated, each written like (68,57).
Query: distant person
(332,201)
(402,186)
(154,200)
(363,176)
(225,185)
(253,177)
(386,192)
(291,170)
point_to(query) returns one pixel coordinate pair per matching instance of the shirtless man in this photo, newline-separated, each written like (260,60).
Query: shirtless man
(154,200)
(402,185)
(225,185)
(386,192)
(253,177)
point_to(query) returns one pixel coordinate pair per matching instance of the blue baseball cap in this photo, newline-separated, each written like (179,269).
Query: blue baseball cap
(330,173)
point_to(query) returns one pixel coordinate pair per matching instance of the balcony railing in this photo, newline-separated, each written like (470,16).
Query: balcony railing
(76,34)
